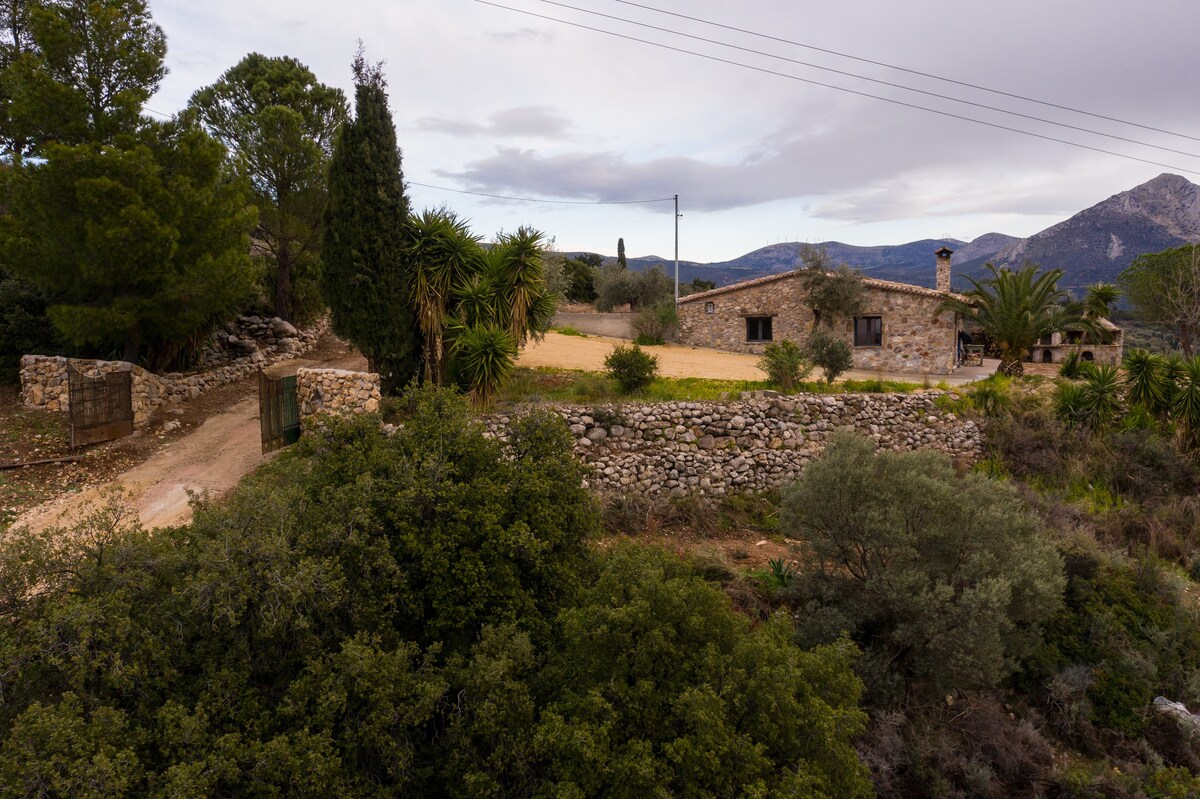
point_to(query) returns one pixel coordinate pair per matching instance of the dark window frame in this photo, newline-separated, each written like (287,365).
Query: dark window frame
(874,335)
(759,329)
(710,307)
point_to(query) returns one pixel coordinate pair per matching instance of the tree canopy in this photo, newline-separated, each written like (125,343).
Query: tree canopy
(1164,288)
(77,71)
(830,292)
(365,266)
(279,123)
(140,246)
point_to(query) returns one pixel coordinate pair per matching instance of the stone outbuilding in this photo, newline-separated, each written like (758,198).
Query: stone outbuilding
(901,328)
(1057,347)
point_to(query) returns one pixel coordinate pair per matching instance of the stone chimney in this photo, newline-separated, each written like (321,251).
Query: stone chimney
(943,268)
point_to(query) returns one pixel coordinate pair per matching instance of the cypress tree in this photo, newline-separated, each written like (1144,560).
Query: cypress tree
(621,262)
(365,269)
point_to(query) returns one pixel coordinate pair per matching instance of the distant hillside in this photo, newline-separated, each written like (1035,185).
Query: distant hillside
(1094,245)
(909,263)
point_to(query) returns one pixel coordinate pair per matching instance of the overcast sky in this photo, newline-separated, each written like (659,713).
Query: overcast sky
(501,102)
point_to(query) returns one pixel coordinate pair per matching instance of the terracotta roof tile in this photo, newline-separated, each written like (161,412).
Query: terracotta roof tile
(883,285)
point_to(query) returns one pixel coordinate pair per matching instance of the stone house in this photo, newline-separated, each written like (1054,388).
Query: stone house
(901,327)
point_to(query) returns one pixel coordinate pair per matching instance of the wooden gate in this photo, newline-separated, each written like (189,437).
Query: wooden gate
(278,412)
(101,408)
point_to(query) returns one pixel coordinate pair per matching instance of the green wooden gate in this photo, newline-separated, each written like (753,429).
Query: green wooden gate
(278,412)
(101,408)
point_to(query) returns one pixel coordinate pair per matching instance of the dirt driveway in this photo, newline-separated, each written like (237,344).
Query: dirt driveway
(224,448)
(674,360)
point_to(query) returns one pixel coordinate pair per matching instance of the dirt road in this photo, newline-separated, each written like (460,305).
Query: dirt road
(223,449)
(674,360)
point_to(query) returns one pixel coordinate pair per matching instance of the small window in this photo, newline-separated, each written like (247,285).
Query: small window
(758,328)
(709,307)
(868,331)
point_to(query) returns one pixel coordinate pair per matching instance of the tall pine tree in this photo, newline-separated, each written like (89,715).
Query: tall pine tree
(365,269)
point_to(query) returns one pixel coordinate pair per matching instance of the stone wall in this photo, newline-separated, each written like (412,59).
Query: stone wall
(336,391)
(917,339)
(715,449)
(260,344)
(615,325)
(44,384)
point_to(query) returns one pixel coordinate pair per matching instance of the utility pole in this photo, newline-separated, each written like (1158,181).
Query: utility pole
(677,215)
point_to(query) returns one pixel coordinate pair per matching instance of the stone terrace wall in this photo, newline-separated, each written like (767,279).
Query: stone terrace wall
(336,391)
(716,449)
(44,377)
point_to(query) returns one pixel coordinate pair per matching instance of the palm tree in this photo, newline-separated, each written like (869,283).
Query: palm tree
(1099,300)
(1016,308)
(445,255)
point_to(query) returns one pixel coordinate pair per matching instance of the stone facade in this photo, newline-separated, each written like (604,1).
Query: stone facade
(336,391)
(917,338)
(715,449)
(260,343)
(1057,347)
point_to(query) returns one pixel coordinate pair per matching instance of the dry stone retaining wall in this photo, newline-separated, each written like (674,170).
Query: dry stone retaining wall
(260,344)
(715,449)
(336,391)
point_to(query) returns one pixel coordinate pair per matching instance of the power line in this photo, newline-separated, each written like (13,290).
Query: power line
(965,84)
(537,200)
(842,88)
(857,76)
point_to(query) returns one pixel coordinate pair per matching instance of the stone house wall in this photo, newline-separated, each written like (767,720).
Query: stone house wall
(336,391)
(714,449)
(917,339)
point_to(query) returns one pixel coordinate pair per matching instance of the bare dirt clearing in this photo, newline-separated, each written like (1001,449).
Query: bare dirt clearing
(674,360)
(216,444)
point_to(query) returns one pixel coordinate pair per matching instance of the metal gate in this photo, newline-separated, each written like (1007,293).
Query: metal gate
(101,408)
(278,412)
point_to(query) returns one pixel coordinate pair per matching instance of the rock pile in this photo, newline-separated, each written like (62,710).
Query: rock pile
(722,448)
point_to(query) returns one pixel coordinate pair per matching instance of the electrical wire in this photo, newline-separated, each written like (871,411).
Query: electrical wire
(536,200)
(869,79)
(964,84)
(893,101)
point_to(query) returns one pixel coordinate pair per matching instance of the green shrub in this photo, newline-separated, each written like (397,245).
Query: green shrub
(654,323)
(1096,401)
(1071,366)
(829,352)
(785,365)
(569,331)
(943,580)
(631,368)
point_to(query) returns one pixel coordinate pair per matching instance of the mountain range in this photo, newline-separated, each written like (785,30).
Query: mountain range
(1094,245)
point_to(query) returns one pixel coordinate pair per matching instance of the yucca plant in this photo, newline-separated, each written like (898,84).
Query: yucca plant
(1146,380)
(483,356)
(1102,395)
(1185,407)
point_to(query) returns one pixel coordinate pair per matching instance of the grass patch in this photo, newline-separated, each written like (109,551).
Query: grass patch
(569,331)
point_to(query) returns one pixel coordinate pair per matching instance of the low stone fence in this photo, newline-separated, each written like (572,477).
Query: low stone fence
(336,391)
(44,377)
(715,449)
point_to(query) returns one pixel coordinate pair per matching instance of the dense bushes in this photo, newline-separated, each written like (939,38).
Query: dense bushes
(412,615)
(785,365)
(942,579)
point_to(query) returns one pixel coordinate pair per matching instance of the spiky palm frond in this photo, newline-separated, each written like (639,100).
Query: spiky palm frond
(1016,308)
(1146,381)
(484,356)
(1185,407)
